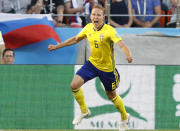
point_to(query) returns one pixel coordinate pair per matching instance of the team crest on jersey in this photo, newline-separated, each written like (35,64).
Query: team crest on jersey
(101,37)
(117,35)
(90,35)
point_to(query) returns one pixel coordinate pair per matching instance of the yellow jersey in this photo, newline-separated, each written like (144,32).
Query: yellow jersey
(102,46)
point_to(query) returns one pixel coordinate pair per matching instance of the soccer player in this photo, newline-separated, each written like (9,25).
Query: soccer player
(101,63)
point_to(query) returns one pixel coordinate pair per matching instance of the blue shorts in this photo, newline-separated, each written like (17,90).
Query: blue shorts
(110,80)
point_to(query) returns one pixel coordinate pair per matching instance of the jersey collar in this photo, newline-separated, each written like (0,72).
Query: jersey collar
(99,28)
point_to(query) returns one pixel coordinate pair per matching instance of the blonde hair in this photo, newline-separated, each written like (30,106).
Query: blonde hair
(97,6)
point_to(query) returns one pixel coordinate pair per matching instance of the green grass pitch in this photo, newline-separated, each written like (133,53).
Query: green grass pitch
(84,130)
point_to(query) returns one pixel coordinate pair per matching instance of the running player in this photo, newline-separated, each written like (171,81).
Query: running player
(101,63)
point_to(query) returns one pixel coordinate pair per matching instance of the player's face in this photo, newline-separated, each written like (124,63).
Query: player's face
(8,57)
(97,17)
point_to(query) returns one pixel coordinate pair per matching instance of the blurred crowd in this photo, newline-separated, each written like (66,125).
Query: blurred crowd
(75,13)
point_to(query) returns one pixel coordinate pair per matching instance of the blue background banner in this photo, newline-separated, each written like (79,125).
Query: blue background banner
(38,53)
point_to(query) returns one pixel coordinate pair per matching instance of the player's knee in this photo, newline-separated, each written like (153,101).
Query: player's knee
(110,97)
(111,94)
(73,86)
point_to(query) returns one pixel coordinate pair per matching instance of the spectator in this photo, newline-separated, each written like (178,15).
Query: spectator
(164,6)
(103,3)
(46,7)
(75,7)
(146,7)
(167,3)
(8,56)
(14,6)
(120,7)
(88,7)
(164,11)
(173,19)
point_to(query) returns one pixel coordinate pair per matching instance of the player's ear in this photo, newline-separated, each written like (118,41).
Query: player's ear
(104,17)
(90,17)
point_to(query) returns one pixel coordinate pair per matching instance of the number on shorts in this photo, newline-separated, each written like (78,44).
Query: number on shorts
(113,85)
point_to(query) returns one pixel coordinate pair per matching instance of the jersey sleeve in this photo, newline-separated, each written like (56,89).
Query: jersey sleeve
(83,32)
(115,37)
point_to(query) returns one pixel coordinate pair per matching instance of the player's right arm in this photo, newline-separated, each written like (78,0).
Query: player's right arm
(68,42)
(71,41)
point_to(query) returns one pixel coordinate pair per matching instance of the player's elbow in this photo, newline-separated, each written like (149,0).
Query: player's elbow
(77,39)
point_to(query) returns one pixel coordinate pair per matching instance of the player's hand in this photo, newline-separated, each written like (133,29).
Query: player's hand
(51,47)
(129,59)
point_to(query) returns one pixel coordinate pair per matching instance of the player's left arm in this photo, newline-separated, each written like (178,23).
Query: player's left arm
(125,50)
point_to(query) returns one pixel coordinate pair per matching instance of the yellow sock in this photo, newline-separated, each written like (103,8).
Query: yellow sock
(79,96)
(118,103)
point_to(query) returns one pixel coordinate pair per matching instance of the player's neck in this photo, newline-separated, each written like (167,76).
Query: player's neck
(99,27)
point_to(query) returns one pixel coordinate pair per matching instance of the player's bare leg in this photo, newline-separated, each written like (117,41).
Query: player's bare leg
(76,84)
